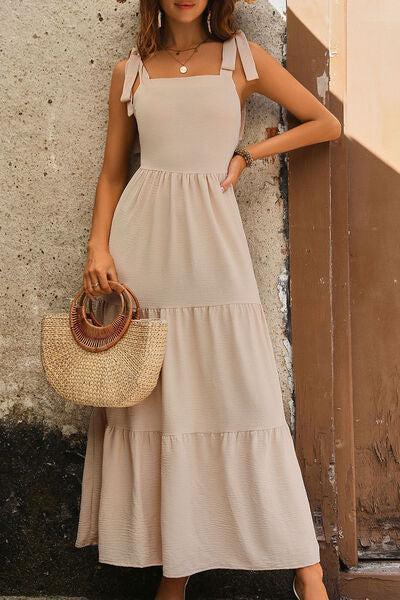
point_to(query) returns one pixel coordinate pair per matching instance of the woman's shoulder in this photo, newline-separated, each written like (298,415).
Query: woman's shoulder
(118,72)
(259,55)
(119,66)
(118,75)
(256,49)
(262,58)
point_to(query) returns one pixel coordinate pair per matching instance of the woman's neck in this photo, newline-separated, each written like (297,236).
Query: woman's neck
(181,36)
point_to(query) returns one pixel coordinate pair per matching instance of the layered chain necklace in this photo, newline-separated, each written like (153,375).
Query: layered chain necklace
(183,68)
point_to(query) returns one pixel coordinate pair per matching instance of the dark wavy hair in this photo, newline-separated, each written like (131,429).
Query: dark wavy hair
(148,39)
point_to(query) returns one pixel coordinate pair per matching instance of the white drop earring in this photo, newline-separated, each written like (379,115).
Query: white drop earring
(209,21)
(159,17)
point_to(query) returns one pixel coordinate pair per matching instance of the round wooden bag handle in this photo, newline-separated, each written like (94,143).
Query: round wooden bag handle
(138,310)
(94,336)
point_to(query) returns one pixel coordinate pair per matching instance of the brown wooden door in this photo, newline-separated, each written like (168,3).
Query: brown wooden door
(344,234)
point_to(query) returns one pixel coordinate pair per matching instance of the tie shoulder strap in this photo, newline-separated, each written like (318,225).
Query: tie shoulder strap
(238,42)
(133,66)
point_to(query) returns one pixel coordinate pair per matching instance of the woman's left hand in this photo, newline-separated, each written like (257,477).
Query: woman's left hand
(236,165)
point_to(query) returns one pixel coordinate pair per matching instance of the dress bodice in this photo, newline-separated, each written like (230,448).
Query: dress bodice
(188,123)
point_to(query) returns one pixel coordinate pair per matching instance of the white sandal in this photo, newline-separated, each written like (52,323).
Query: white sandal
(294,589)
(184,589)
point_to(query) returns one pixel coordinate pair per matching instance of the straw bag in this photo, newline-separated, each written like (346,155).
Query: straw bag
(113,365)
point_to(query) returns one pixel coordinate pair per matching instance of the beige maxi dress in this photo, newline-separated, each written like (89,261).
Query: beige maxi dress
(203,474)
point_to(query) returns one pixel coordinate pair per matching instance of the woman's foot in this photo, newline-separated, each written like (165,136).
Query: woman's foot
(309,583)
(171,588)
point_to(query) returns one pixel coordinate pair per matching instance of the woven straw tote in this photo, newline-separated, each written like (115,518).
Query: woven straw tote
(114,365)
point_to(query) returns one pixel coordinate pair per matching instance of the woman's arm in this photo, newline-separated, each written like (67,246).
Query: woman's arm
(113,178)
(318,124)
(275,82)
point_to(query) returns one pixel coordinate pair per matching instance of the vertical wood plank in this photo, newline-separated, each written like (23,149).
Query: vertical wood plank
(342,360)
(310,245)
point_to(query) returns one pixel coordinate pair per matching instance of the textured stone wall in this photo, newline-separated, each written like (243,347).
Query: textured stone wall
(57,60)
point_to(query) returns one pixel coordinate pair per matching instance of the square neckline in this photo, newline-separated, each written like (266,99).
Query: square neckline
(225,74)
(214,75)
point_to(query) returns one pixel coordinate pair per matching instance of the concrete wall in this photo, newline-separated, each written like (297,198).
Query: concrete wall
(57,60)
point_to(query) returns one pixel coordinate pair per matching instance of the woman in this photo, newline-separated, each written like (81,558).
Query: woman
(202,474)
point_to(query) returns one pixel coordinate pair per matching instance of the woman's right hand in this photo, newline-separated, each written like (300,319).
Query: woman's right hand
(99,269)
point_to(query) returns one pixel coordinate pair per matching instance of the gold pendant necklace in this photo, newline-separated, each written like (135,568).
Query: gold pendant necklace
(183,68)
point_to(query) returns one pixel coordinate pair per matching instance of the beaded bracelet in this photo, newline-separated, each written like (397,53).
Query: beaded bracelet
(245,153)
